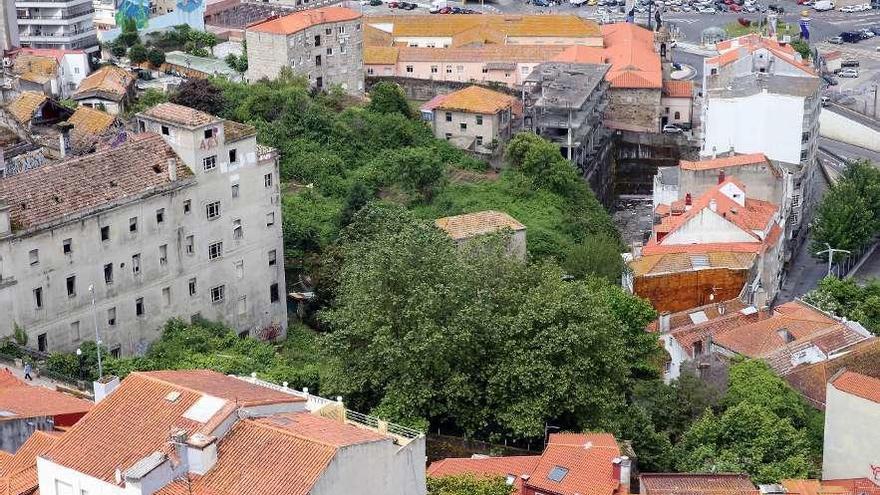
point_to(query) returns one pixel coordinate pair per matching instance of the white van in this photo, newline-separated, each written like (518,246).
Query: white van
(822,5)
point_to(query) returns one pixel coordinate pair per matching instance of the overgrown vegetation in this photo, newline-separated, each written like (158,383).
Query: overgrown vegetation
(849,215)
(468,485)
(848,299)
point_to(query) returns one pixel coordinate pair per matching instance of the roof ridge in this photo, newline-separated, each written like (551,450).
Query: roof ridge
(293,434)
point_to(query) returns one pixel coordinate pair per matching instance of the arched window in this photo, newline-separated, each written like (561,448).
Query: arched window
(677,115)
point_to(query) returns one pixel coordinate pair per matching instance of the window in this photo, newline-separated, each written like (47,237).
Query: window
(209,163)
(479,140)
(139,306)
(74,330)
(215,250)
(233,156)
(369,71)
(38,297)
(448,136)
(62,488)
(142,126)
(237,232)
(166,295)
(479,120)
(270,219)
(111,317)
(698,348)
(34,256)
(217,293)
(71,286)
(105,233)
(340,29)
(192,287)
(165,131)
(242,305)
(133,224)
(212,210)
(108,273)
(239,269)
(234,191)
(187,206)
(677,116)
(273,258)
(209,133)
(42,342)
(163,254)
(434,69)
(328,31)
(329,51)
(160,215)
(67,246)
(459,69)
(190,245)
(485,70)
(448,116)
(462,126)
(409,69)
(273,293)
(525,70)
(136,263)
(115,352)
(449,69)
(267,180)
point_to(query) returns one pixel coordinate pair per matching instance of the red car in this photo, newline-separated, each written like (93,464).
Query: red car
(392,5)
(735,8)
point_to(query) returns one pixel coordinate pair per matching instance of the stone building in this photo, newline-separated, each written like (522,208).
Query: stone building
(325,45)
(468,226)
(473,118)
(565,103)
(182,219)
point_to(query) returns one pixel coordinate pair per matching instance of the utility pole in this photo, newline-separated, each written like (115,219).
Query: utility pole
(97,336)
(831,252)
(875,101)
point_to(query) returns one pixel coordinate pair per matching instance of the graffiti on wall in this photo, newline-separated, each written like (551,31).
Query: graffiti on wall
(190,12)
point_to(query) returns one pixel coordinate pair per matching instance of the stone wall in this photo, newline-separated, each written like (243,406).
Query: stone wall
(635,109)
(639,155)
(425,89)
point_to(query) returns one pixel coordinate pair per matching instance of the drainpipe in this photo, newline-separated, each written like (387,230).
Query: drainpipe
(569,133)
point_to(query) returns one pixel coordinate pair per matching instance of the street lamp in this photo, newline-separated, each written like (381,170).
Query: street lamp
(97,335)
(831,252)
(79,362)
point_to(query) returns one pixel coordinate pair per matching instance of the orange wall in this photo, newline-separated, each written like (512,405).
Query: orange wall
(685,290)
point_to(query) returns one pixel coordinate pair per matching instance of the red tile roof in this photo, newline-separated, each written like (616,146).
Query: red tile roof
(225,387)
(711,311)
(678,89)
(179,114)
(811,380)
(732,49)
(696,484)
(688,335)
(854,486)
(20,400)
(305,19)
(18,473)
(727,161)
(634,62)
(322,430)
(862,386)
(506,466)
(477,99)
(110,82)
(470,225)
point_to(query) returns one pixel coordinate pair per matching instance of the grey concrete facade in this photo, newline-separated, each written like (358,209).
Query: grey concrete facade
(65,24)
(15,432)
(205,244)
(328,53)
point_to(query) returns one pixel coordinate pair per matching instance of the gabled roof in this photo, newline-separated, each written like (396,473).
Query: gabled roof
(863,386)
(179,115)
(678,89)
(18,472)
(696,484)
(709,311)
(109,82)
(471,225)
(24,107)
(91,121)
(735,48)
(35,68)
(738,160)
(634,62)
(689,335)
(476,99)
(659,264)
(515,466)
(513,25)
(298,21)
(19,400)
(811,380)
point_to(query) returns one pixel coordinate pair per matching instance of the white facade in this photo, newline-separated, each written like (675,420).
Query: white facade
(707,227)
(62,24)
(852,439)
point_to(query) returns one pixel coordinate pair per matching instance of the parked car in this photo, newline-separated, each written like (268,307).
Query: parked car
(850,64)
(375,3)
(847,9)
(867,34)
(850,37)
(671,129)
(829,79)
(707,10)
(411,6)
(825,101)
(734,8)
(836,40)
(875,30)
(434,10)
(848,73)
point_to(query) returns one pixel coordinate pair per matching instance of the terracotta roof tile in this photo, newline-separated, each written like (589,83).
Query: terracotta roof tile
(727,161)
(376,38)
(505,466)
(810,380)
(697,484)
(477,99)
(588,459)
(179,114)
(634,62)
(322,430)
(36,65)
(57,54)
(23,107)
(679,262)
(34,401)
(580,54)
(298,21)
(18,473)
(862,386)
(91,121)
(688,335)
(732,49)
(535,25)
(110,82)
(219,385)
(473,224)
(380,55)
(485,54)
(234,131)
(710,311)
(75,186)
(853,486)
(678,89)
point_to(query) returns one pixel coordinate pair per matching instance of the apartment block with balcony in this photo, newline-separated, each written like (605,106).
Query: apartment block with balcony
(57,24)
(182,219)
(565,103)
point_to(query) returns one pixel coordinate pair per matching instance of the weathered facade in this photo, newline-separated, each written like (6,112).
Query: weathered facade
(473,118)
(179,221)
(325,45)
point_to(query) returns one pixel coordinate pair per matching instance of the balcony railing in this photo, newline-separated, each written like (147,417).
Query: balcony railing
(56,17)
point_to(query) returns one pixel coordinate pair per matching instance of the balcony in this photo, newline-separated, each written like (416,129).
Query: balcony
(62,18)
(58,37)
(43,4)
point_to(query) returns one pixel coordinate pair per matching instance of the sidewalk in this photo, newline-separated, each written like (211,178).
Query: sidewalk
(37,381)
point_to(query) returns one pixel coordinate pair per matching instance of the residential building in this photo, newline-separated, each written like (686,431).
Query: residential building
(325,45)
(696,484)
(31,109)
(210,433)
(64,25)
(18,472)
(57,73)
(810,380)
(109,88)
(473,118)
(677,101)
(487,29)
(191,66)
(463,228)
(858,486)
(852,414)
(565,103)
(180,220)
(89,127)
(27,409)
(572,463)
(786,337)
(8,27)
(717,246)
(760,96)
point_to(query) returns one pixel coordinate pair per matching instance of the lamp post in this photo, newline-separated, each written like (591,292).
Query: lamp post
(79,363)
(831,252)
(97,335)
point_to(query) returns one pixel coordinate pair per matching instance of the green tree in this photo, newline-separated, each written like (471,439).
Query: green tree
(118,49)
(148,99)
(200,94)
(755,382)
(596,255)
(388,97)
(803,48)
(468,485)
(156,57)
(138,54)
(541,160)
(846,298)
(129,35)
(849,215)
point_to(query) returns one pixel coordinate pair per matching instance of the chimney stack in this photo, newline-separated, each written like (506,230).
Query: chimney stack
(64,138)
(665,318)
(615,468)
(713,205)
(172,169)
(721,176)
(688,202)
(625,473)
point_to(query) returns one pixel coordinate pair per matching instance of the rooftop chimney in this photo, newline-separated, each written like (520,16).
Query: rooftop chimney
(64,138)
(713,205)
(104,387)
(201,453)
(172,169)
(721,176)
(664,320)
(625,473)
(688,202)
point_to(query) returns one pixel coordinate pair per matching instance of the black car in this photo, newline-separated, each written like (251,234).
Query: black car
(831,80)
(850,37)
(875,30)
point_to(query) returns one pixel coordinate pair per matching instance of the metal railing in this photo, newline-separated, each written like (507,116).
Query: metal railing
(61,17)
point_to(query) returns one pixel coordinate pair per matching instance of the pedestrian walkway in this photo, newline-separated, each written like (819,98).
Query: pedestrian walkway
(38,381)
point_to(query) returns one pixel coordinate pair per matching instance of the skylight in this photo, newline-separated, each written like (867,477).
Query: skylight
(557,474)
(204,409)
(699,317)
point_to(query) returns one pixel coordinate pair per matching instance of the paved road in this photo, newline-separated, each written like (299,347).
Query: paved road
(805,271)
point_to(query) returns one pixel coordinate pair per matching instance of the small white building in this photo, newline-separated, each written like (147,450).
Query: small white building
(473,118)
(852,439)
(56,73)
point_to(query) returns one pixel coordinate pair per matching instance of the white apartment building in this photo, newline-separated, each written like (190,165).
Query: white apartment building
(852,413)
(181,220)
(200,432)
(57,24)
(759,96)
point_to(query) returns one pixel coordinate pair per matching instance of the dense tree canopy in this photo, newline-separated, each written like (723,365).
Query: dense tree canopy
(849,215)
(848,299)
(468,485)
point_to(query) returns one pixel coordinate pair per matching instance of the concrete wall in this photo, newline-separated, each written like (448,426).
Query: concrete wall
(684,290)
(837,127)
(634,110)
(759,180)
(438,69)
(490,129)
(242,269)
(707,227)
(340,52)
(55,479)
(851,436)
(375,468)
(683,107)
(109,106)
(14,432)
